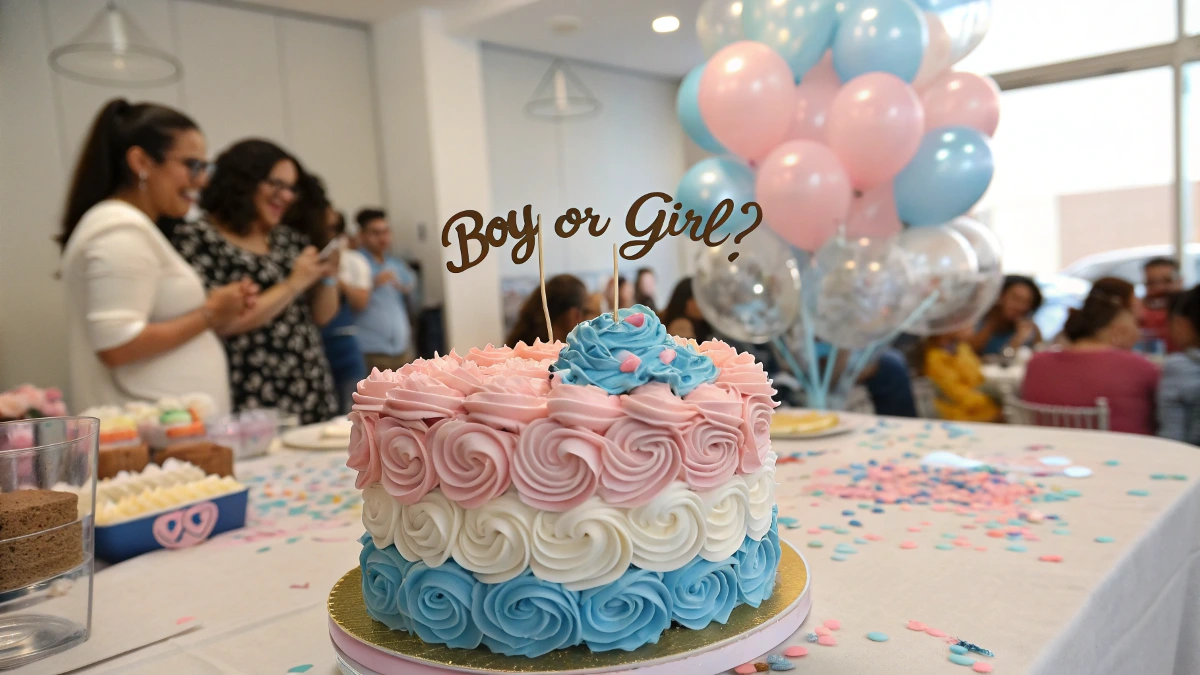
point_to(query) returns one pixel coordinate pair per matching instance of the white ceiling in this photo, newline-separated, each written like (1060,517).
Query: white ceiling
(612,32)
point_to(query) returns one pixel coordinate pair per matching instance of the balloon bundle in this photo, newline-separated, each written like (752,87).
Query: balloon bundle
(844,121)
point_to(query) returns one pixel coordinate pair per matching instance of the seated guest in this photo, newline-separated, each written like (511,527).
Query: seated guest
(955,370)
(1179,390)
(1009,324)
(1123,293)
(384,326)
(140,323)
(277,359)
(1097,364)
(567,298)
(1161,279)
(644,288)
(682,316)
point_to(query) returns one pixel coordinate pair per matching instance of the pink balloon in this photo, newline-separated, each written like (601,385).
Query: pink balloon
(804,193)
(873,214)
(964,99)
(938,54)
(813,97)
(823,72)
(747,98)
(875,126)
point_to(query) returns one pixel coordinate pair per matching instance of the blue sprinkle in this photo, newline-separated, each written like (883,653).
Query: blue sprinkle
(855,523)
(1112,462)
(1017,548)
(958,649)
(876,636)
(846,549)
(1138,493)
(1158,476)
(780,663)
(876,510)
(827,527)
(962,660)
(847,513)
(841,530)
(944,547)
(842,472)
(812,637)
(1062,530)
(1104,540)
(860,541)
(949,535)
(837,557)
(857,465)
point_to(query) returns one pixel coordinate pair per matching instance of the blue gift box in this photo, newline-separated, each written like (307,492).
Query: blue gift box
(177,527)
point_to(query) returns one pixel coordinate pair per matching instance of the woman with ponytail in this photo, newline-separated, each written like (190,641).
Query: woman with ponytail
(1098,363)
(566,295)
(140,324)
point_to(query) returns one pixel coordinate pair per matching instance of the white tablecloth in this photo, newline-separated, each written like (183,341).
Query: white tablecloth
(1132,606)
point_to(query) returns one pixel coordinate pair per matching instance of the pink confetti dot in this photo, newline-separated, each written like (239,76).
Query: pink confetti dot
(821,630)
(908,544)
(637,319)
(1051,558)
(969,526)
(630,363)
(814,530)
(916,625)
(926,523)
(795,651)
(914,528)
(981,667)
(184,619)
(745,669)
(873,537)
(934,632)
(827,640)
(961,543)
(815,504)
(666,355)
(939,508)
(833,624)
(980,548)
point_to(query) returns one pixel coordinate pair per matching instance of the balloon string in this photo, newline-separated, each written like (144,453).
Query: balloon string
(829,364)
(815,394)
(861,359)
(792,364)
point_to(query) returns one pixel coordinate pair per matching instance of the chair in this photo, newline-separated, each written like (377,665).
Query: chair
(1035,414)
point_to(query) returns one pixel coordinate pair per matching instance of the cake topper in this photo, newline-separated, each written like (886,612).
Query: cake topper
(542,281)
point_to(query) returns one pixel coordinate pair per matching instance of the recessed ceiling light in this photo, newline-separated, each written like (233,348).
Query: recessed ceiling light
(665,24)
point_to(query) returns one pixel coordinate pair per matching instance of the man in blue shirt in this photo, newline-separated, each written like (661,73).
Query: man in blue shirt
(384,331)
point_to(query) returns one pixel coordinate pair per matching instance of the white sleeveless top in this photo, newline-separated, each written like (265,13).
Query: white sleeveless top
(122,274)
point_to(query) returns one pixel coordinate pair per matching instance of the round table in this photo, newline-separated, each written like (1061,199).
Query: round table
(253,600)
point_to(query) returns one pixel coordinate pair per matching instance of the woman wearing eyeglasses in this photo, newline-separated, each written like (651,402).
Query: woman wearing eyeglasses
(276,358)
(140,325)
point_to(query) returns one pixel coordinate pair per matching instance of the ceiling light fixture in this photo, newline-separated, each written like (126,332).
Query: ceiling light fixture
(665,24)
(113,50)
(561,95)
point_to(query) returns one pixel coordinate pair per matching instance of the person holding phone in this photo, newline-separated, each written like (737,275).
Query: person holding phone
(276,358)
(384,330)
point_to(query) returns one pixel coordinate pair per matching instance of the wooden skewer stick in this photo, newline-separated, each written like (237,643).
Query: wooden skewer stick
(616,286)
(542,281)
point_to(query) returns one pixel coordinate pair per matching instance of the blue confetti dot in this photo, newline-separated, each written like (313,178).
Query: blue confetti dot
(837,557)
(944,547)
(1104,540)
(1138,493)
(847,513)
(875,636)
(855,523)
(961,660)
(845,549)
(958,649)
(1112,462)
(1017,548)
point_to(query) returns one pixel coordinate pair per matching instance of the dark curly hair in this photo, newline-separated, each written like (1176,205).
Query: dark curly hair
(308,213)
(229,197)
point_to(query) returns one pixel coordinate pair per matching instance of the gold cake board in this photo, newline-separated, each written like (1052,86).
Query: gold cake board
(367,647)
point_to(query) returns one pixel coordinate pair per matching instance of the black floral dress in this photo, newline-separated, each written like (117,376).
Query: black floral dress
(281,365)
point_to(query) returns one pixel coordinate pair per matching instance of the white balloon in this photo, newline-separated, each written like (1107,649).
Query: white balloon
(966,23)
(937,54)
(984,286)
(754,298)
(941,259)
(718,24)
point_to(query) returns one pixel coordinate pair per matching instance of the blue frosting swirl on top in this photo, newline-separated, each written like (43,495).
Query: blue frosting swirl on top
(597,349)
(702,592)
(438,601)
(526,616)
(383,571)
(756,563)
(632,611)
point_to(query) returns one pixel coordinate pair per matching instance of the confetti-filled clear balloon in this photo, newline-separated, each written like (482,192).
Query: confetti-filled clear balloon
(984,286)
(754,298)
(966,21)
(718,24)
(858,290)
(941,260)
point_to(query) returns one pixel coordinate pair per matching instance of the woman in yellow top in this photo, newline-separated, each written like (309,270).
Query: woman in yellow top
(955,371)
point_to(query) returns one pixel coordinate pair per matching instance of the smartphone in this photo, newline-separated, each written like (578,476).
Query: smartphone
(334,244)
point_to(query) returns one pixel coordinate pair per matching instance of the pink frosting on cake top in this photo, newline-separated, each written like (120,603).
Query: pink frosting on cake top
(538,351)
(489,355)
(516,366)
(509,402)
(719,404)
(420,397)
(585,406)
(372,392)
(466,377)
(656,405)
(556,468)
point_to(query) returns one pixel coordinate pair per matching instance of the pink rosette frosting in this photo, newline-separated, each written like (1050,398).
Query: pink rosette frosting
(556,468)
(640,462)
(712,452)
(490,356)
(406,471)
(745,375)
(422,398)
(586,406)
(509,402)
(718,404)
(465,377)
(655,404)
(720,352)
(471,460)
(372,392)
(756,430)
(364,455)
(538,351)
(537,370)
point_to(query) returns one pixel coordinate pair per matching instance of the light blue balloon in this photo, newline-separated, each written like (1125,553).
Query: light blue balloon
(948,175)
(687,106)
(798,30)
(712,180)
(886,36)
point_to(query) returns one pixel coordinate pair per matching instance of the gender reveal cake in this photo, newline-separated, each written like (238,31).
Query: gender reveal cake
(544,496)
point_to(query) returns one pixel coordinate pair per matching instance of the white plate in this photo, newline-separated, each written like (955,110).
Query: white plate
(310,437)
(840,429)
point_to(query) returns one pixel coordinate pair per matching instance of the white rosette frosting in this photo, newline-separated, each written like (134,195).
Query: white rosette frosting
(494,541)
(380,515)
(762,498)
(669,531)
(728,508)
(428,530)
(584,547)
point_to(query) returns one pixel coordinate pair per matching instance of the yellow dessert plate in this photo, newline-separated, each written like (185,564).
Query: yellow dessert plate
(801,424)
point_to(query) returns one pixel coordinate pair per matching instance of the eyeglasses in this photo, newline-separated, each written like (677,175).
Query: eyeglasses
(276,186)
(197,168)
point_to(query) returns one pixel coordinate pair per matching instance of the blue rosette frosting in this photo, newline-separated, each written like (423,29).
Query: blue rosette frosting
(626,614)
(526,616)
(756,563)
(618,356)
(702,592)
(438,602)
(383,571)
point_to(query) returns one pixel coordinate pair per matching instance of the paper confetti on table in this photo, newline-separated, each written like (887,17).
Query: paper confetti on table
(184,619)
(301,668)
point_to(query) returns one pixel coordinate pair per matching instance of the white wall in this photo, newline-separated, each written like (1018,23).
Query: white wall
(633,146)
(306,84)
